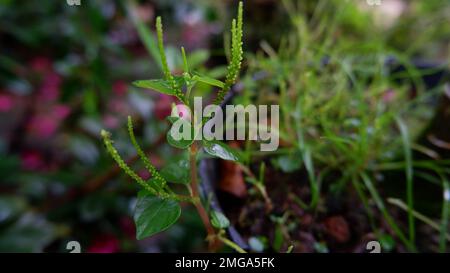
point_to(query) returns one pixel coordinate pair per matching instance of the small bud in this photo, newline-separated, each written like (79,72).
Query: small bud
(181,111)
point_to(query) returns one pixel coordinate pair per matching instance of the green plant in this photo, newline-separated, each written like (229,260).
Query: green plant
(158,206)
(347,117)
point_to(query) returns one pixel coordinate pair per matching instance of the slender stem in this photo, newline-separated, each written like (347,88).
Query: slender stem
(211,237)
(188,95)
(445,216)
(259,186)
(399,203)
(380,204)
(231,244)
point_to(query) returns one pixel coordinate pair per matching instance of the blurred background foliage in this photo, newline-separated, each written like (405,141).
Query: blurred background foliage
(65,73)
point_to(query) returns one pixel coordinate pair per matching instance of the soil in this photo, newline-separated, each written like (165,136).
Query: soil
(339,224)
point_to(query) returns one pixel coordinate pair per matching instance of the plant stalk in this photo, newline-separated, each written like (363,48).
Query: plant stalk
(211,237)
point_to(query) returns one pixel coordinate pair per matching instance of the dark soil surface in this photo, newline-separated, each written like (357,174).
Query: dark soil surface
(340,223)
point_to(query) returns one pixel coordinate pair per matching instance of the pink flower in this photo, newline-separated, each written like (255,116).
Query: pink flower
(144,174)
(182,111)
(120,88)
(111,122)
(389,96)
(127,226)
(32,161)
(6,103)
(61,111)
(104,243)
(40,64)
(43,126)
(49,90)
(118,105)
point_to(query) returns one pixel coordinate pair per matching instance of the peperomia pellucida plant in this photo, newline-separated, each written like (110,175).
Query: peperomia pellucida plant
(158,205)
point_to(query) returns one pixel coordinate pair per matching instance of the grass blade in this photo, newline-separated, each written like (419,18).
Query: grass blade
(409,176)
(445,216)
(380,204)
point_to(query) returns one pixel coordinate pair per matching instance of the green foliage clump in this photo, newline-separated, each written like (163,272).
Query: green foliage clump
(158,206)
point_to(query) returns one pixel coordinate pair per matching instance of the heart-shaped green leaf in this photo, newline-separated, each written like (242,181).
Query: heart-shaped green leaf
(221,150)
(176,171)
(180,142)
(153,215)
